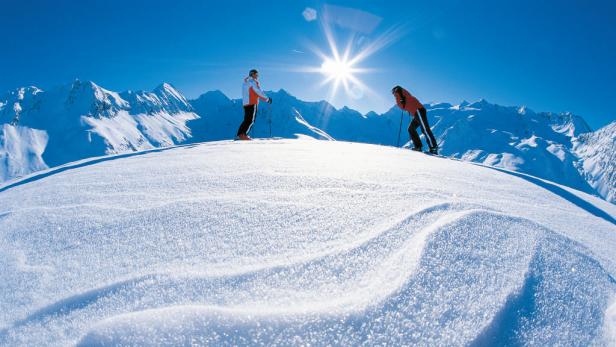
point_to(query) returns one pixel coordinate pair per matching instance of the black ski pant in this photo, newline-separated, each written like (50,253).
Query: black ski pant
(250,112)
(420,119)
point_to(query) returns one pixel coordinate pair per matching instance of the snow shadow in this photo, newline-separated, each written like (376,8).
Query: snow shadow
(558,266)
(563,193)
(162,279)
(483,279)
(85,163)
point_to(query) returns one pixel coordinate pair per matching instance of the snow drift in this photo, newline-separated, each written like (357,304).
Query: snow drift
(297,242)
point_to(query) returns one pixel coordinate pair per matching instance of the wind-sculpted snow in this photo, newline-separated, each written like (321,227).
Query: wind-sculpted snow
(297,242)
(458,293)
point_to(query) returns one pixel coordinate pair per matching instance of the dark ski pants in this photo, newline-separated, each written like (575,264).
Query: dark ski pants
(420,119)
(250,112)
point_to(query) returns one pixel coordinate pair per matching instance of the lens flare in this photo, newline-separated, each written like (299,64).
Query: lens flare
(342,69)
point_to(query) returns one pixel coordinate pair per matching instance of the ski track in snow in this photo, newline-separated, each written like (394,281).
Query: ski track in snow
(299,242)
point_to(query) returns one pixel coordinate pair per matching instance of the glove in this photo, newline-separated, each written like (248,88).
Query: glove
(269,101)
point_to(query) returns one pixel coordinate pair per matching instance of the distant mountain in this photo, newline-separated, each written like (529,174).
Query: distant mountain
(222,116)
(513,138)
(597,163)
(81,120)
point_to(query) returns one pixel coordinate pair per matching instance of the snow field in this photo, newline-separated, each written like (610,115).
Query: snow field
(300,242)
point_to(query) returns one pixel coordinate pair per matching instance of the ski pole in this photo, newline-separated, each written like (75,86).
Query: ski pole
(400,129)
(269,109)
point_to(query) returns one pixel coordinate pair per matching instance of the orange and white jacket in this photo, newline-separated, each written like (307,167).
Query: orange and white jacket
(251,92)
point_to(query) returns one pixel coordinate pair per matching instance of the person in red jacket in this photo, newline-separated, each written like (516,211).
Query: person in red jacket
(409,103)
(251,94)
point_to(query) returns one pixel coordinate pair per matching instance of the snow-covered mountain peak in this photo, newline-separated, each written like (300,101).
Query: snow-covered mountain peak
(18,101)
(29,90)
(523,110)
(441,105)
(568,124)
(481,104)
(214,97)
(283,92)
(167,89)
(461,105)
(89,99)
(163,98)
(19,94)
(282,96)
(171,99)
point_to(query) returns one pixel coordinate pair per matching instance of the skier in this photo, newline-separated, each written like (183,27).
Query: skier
(409,103)
(251,93)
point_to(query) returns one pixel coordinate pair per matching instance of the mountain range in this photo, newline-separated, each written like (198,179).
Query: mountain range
(41,129)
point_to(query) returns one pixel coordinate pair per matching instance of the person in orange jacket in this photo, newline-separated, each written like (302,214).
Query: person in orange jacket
(409,103)
(251,94)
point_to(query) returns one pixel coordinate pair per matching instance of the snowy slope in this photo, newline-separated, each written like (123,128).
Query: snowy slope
(21,151)
(297,242)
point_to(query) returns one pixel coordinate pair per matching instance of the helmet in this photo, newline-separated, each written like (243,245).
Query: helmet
(252,72)
(396,89)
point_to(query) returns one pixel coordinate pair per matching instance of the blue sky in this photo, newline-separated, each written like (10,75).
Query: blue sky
(548,55)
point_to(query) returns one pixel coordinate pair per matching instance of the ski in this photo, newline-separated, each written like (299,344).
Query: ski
(260,139)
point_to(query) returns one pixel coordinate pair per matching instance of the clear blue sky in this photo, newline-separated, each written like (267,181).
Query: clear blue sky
(549,55)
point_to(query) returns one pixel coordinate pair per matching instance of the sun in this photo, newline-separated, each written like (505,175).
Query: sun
(340,70)
(341,67)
